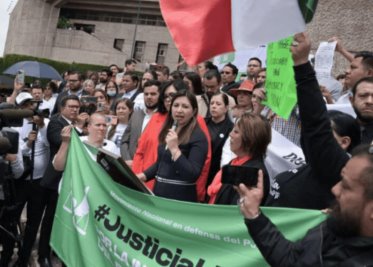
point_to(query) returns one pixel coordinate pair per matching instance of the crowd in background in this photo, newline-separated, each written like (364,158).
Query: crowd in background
(177,131)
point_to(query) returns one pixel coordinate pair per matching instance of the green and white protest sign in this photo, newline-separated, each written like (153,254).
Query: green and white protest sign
(100,223)
(280,82)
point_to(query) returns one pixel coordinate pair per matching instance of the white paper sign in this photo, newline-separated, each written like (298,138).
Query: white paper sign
(324,59)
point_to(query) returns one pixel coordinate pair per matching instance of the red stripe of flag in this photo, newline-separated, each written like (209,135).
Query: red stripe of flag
(200,29)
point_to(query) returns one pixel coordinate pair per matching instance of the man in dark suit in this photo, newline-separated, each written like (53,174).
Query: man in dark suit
(228,77)
(139,120)
(69,115)
(74,81)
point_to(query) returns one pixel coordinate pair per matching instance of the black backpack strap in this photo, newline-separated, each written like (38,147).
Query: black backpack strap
(133,97)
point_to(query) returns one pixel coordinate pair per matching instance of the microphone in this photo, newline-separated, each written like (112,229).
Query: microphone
(14,117)
(173,127)
(11,114)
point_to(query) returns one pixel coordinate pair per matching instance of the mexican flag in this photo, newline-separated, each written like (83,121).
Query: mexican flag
(204,29)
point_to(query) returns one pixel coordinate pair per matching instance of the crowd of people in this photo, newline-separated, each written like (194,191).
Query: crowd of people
(179,131)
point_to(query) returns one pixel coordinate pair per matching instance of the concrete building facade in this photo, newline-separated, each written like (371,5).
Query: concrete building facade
(105,32)
(92,38)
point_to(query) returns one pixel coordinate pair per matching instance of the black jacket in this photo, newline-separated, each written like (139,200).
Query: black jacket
(310,186)
(219,133)
(177,179)
(51,177)
(320,247)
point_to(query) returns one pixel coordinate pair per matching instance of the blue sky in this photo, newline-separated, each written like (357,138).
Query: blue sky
(6,6)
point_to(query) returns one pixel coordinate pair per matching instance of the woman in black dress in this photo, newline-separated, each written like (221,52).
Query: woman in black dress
(219,125)
(182,151)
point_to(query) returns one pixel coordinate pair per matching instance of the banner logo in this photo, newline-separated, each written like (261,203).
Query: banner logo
(79,210)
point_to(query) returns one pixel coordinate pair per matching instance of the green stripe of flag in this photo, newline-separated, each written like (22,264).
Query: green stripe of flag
(308,9)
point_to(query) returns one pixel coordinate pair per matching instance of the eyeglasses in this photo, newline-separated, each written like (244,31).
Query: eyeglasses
(170,95)
(73,107)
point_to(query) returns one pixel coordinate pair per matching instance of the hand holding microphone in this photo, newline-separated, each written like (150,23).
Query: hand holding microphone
(172,136)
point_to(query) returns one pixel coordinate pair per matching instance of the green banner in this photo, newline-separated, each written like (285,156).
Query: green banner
(100,223)
(280,82)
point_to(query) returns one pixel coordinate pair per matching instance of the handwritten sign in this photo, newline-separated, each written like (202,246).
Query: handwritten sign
(280,82)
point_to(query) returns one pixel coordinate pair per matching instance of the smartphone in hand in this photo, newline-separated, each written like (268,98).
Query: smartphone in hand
(20,77)
(111,119)
(88,99)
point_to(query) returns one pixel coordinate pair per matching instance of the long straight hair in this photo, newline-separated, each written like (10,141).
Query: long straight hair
(185,133)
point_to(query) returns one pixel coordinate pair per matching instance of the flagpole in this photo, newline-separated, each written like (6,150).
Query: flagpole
(135,32)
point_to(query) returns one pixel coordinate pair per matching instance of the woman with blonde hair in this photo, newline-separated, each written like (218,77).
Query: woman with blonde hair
(249,140)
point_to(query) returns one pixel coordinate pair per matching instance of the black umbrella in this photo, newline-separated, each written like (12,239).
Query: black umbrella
(34,69)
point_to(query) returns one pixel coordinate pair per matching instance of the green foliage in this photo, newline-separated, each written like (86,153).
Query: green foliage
(64,23)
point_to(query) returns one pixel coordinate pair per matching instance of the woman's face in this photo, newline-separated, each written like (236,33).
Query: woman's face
(201,69)
(168,94)
(94,78)
(111,90)
(48,91)
(257,99)
(182,110)
(146,77)
(217,107)
(122,111)
(100,97)
(261,77)
(189,83)
(236,140)
(90,88)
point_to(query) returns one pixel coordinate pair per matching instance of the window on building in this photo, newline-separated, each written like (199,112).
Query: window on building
(139,51)
(161,53)
(118,44)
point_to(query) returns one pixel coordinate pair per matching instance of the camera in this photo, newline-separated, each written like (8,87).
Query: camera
(111,119)
(10,117)
(40,112)
(8,141)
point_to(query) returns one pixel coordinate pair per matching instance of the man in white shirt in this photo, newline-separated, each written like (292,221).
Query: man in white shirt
(361,66)
(130,89)
(35,147)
